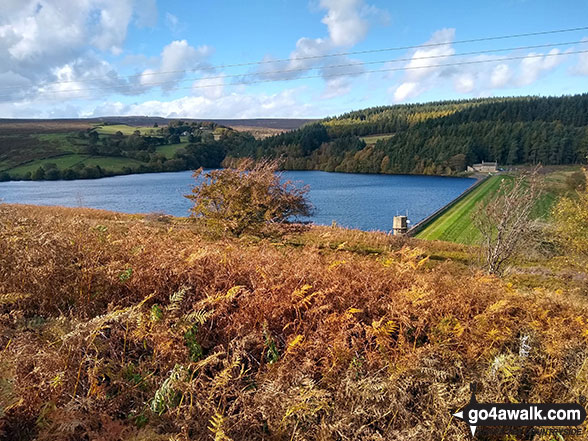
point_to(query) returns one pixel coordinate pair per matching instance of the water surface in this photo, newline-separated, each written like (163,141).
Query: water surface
(364,201)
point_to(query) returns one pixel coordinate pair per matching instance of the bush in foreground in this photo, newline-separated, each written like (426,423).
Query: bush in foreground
(249,198)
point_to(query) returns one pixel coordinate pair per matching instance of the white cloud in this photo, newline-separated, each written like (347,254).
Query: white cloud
(419,77)
(176,59)
(406,91)
(348,22)
(85,77)
(234,105)
(534,65)
(477,76)
(302,59)
(581,68)
(501,75)
(54,50)
(111,28)
(212,88)
(338,74)
(335,87)
(464,83)
(42,31)
(41,39)
(417,67)
(173,23)
(345,22)
(146,14)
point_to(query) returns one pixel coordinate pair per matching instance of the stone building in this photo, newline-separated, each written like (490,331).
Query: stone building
(484,167)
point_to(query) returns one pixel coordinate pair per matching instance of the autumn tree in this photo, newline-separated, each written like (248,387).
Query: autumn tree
(571,224)
(248,198)
(505,220)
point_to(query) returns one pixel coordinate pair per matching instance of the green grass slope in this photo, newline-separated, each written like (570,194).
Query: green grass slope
(455,225)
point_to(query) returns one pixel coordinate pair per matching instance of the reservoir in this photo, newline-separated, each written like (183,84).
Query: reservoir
(364,201)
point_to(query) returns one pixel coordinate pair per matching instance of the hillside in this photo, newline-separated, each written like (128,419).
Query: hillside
(147,121)
(130,327)
(97,147)
(439,137)
(52,150)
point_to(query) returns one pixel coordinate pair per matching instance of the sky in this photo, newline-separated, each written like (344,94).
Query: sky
(279,58)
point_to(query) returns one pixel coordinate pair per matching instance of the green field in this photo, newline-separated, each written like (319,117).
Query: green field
(62,162)
(372,139)
(23,155)
(168,150)
(125,129)
(111,163)
(66,142)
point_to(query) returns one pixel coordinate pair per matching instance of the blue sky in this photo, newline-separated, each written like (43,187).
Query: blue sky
(88,58)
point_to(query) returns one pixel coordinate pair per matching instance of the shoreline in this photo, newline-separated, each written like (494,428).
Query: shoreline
(476,175)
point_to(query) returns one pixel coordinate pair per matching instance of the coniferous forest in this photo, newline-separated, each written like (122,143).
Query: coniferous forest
(435,138)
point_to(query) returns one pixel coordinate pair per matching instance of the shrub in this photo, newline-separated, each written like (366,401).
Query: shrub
(505,221)
(247,199)
(571,225)
(576,181)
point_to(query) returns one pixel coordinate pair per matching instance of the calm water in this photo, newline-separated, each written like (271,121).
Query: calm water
(360,201)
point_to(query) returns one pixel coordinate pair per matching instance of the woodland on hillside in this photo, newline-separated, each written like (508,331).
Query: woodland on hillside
(438,138)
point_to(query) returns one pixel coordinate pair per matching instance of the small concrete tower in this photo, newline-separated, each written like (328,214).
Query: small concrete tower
(400,225)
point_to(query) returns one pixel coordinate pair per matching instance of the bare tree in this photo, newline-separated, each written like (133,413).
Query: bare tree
(505,220)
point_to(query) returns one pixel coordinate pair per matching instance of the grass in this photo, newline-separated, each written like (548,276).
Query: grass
(63,161)
(128,327)
(111,129)
(21,154)
(111,163)
(372,139)
(19,149)
(169,150)
(26,153)
(67,142)
(455,225)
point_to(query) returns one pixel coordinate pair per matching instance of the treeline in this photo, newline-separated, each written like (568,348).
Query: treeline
(207,146)
(432,138)
(437,138)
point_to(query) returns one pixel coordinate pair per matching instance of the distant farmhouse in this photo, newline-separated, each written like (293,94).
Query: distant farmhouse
(484,167)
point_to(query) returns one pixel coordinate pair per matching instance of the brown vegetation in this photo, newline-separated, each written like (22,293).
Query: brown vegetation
(258,132)
(35,127)
(571,223)
(114,327)
(250,198)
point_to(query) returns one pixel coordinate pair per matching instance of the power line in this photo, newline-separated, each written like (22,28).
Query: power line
(339,54)
(396,60)
(496,60)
